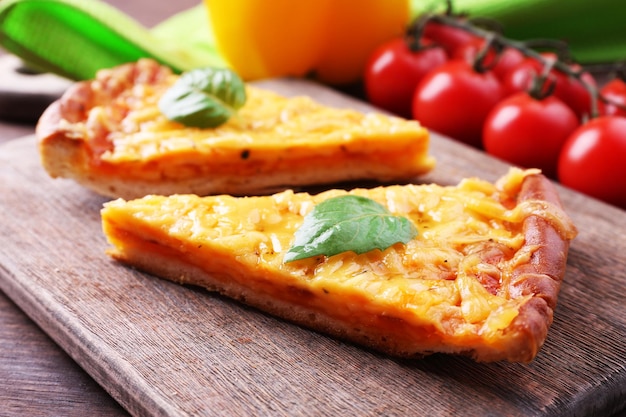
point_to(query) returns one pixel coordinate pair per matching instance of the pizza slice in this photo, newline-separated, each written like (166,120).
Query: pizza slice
(110,135)
(480,276)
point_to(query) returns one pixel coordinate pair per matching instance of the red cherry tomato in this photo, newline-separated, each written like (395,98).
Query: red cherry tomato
(454,100)
(529,132)
(500,64)
(520,77)
(449,37)
(394,70)
(614,94)
(567,88)
(576,94)
(593,160)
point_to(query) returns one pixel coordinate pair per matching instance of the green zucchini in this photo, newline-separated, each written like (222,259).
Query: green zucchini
(594,30)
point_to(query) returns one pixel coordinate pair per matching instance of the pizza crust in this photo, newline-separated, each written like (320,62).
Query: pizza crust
(541,277)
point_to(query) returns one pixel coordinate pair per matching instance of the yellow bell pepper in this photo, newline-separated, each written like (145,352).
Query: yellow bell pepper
(329,39)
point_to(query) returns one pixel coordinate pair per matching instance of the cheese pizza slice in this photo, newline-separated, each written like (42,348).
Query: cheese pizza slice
(480,276)
(110,135)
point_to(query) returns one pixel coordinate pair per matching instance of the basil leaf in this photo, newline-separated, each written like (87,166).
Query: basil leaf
(205,97)
(348,223)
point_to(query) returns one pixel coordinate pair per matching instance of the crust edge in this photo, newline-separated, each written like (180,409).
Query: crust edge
(542,276)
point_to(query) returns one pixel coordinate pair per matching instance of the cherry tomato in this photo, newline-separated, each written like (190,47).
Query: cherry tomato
(529,132)
(520,77)
(394,70)
(454,100)
(614,92)
(449,37)
(593,160)
(576,94)
(500,64)
(567,88)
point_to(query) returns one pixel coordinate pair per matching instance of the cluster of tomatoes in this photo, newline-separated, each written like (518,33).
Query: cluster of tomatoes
(528,108)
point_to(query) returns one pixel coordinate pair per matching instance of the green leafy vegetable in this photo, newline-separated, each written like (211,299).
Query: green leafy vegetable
(205,97)
(348,223)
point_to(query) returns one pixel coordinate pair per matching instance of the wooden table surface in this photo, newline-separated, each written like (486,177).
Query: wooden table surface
(37,378)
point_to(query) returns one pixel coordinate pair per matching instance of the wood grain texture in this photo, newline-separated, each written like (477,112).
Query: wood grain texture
(165,350)
(37,388)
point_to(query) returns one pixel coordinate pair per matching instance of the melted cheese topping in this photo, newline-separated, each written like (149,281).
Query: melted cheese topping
(453,276)
(266,121)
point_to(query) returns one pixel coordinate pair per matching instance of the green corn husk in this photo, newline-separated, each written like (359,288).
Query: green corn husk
(76,38)
(594,30)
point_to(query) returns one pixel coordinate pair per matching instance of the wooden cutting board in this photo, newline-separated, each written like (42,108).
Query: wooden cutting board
(165,350)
